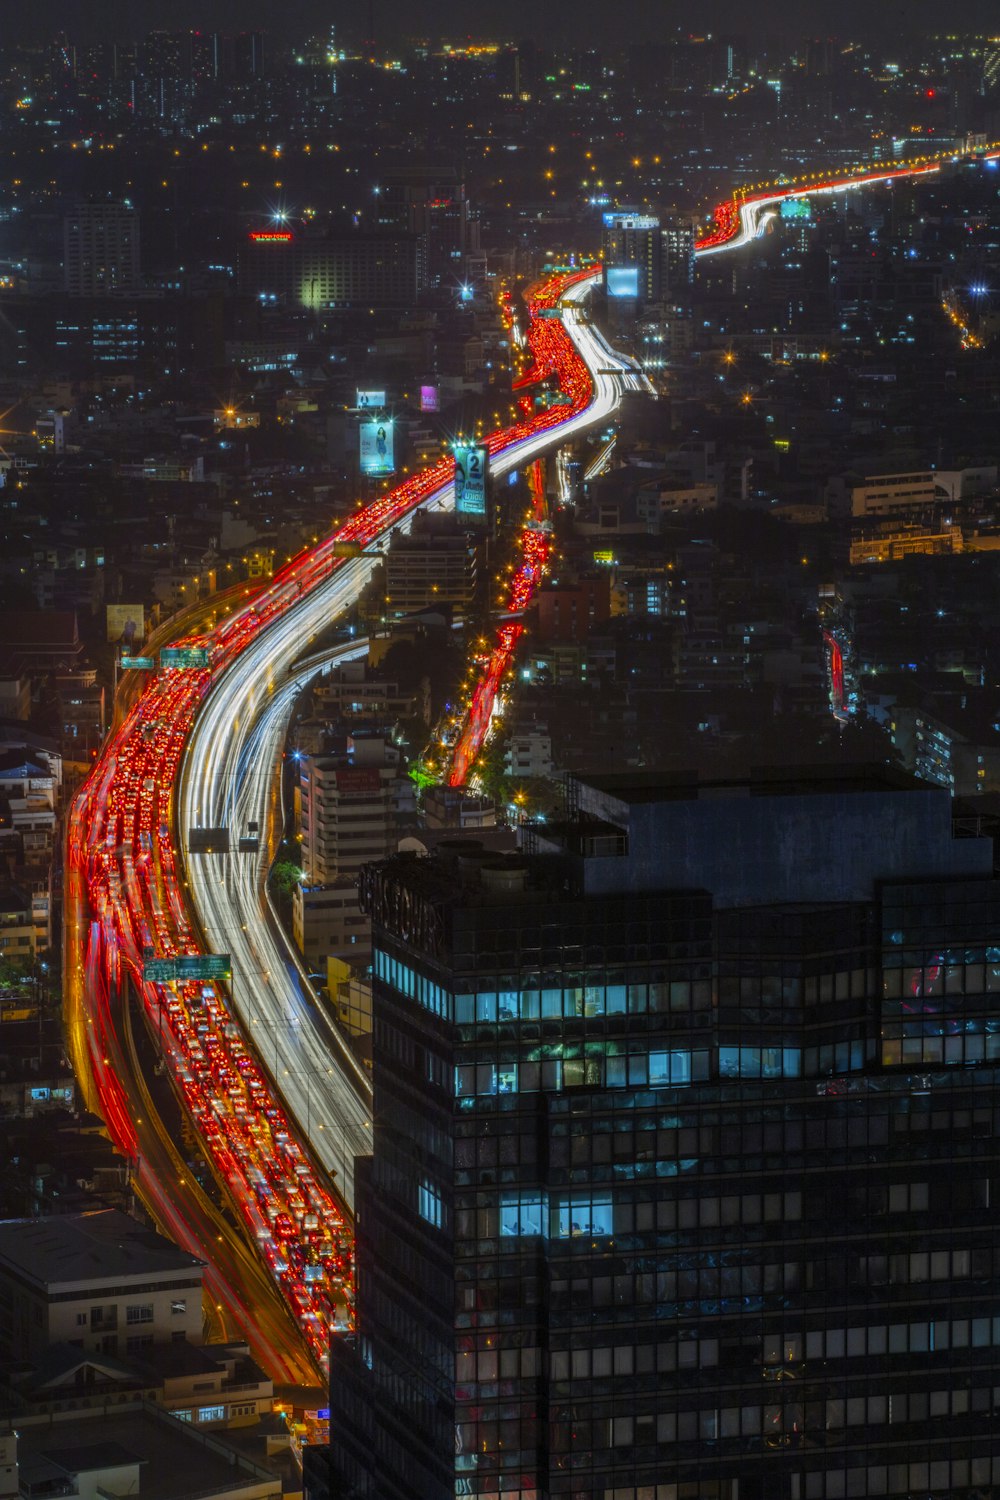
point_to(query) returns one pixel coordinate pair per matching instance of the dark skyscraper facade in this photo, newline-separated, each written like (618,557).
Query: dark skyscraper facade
(686,1143)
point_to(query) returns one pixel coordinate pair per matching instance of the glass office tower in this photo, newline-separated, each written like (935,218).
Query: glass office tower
(686,1149)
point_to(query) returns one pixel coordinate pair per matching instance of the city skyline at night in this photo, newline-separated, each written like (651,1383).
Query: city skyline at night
(499,752)
(633,21)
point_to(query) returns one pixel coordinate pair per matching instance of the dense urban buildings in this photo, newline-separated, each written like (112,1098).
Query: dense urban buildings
(376,973)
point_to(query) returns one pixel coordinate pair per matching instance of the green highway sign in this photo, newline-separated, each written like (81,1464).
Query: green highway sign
(184,656)
(187,966)
(137,664)
(159,970)
(204,966)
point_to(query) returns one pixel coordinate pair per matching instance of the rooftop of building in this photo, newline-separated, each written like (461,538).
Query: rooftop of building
(175,1460)
(179,1358)
(39,628)
(777,838)
(635,787)
(105,1245)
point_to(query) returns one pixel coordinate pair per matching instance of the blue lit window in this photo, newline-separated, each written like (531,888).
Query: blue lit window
(429,1203)
(760,1062)
(593,1000)
(668,1069)
(581,1214)
(551,1002)
(416,986)
(523,1213)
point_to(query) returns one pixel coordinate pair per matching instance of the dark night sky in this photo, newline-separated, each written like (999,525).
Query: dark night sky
(597,20)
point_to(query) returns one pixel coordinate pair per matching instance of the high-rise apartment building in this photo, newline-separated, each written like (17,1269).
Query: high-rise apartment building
(632,251)
(352,269)
(348,816)
(434,207)
(101,250)
(646,259)
(686,1151)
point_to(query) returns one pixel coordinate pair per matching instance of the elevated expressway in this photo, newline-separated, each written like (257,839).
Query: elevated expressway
(227,769)
(228,778)
(197,747)
(740,220)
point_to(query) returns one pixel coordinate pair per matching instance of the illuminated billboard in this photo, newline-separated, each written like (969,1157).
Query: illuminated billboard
(371,400)
(126,624)
(429,399)
(795,208)
(377,448)
(471,465)
(622,281)
(624,219)
(271,236)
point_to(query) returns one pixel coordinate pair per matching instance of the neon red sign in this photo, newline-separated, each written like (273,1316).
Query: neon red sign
(267,236)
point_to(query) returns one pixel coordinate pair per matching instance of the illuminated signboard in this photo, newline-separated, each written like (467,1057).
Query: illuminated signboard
(622,281)
(137,664)
(204,966)
(126,623)
(184,656)
(622,220)
(371,400)
(376,448)
(429,399)
(187,966)
(471,463)
(271,236)
(795,208)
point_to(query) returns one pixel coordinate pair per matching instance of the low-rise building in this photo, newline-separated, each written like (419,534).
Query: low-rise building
(349,813)
(18,936)
(136,1449)
(454,807)
(436,563)
(656,501)
(34,641)
(356,688)
(571,610)
(15,697)
(210,1386)
(99,1281)
(529,751)
(950,742)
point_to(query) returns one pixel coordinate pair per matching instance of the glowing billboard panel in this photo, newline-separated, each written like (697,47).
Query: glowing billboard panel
(377,448)
(471,464)
(622,281)
(126,623)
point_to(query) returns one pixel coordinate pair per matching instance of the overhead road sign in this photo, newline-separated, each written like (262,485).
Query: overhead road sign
(186,967)
(185,657)
(208,840)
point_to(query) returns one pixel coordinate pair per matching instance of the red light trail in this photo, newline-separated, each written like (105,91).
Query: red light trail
(121,849)
(727,217)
